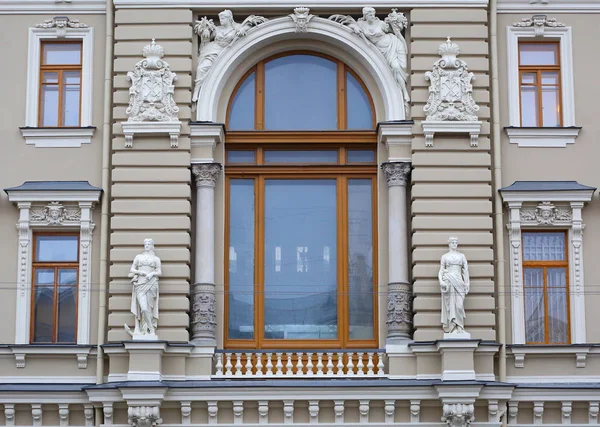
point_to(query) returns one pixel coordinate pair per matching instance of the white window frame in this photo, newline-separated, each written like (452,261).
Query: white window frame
(540,136)
(58,137)
(574,200)
(27,201)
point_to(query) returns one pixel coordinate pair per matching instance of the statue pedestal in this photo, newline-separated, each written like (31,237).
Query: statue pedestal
(458,359)
(144,337)
(456,336)
(145,359)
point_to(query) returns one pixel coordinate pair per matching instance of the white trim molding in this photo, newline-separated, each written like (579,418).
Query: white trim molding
(545,6)
(278,4)
(430,128)
(549,210)
(59,210)
(59,28)
(57,7)
(540,27)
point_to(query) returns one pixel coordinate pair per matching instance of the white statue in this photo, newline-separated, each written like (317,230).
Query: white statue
(454,285)
(214,39)
(387,37)
(144,273)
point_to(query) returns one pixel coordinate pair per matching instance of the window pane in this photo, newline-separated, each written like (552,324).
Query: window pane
(43,305)
(534,306)
(556,277)
(49,105)
(358,107)
(300,93)
(70,113)
(550,78)
(529,106)
(529,78)
(360,156)
(241,156)
(241,259)
(300,259)
(558,323)
(543,246)
(62,54)
(360,258)
(538,53)
(67,305)
(50,77)
(550,106)
(301,156)
(241,115)
(56,248)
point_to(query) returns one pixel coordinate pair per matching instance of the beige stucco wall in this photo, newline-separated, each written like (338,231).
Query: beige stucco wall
(575,162)
(20,162)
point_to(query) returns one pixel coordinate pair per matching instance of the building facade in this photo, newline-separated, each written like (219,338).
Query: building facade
(264,212)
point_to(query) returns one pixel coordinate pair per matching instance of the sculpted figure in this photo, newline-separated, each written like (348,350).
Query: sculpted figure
(214,39)
(454,284)
(387,37)
(144,273)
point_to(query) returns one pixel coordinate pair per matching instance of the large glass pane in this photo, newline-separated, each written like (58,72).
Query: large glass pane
(558,323)
(300,93)
(529,78)
(67,305)
(529,106)
(301,156)
(538,53)
(550,106)
(534,305)
(56,248)
(241,156)
(61,54)
(360,156)
(360,258)
(543,246)
(49,105)
(358,106)
(43,305)
(70,113)
(241,115)
(241,259)
(300,268)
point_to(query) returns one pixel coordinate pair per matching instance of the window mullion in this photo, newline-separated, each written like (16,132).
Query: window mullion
(259,295)
(343,289)
(55,308)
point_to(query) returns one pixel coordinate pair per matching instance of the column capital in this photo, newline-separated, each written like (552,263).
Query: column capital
(206,174)
(396,173)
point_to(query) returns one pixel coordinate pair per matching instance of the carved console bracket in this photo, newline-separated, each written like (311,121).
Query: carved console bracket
(450,107)
(144,416)
(458,414)
(152,109)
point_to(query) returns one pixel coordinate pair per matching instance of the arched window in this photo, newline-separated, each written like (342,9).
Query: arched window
(301,217)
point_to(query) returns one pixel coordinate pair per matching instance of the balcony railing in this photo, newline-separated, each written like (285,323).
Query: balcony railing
(284,364)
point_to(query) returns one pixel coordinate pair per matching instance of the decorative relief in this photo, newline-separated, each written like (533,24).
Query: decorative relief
(546,214)
(301,18)
(539,23)
(204,316)
(450,90)
(458,414)
(61,23)
(54,214)
(144,416)
(214,39)
(399,309)
(387,37)
(396,173)
(9,414)
(206,174)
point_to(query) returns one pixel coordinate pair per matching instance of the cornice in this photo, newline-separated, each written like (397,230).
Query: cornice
(553,6)
(40,7)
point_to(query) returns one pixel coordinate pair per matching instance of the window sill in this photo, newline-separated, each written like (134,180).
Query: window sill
(20,351)
(555,137)
(57,137)
(580,351)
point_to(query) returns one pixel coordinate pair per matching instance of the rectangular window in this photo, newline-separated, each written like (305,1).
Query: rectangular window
(540,88)
(55,277)
(545,279)
(60,84)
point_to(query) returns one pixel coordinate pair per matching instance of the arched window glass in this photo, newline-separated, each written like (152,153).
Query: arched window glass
(300,92)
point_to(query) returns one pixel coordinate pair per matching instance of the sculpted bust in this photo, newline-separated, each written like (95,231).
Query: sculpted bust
(144,274)
(454,286)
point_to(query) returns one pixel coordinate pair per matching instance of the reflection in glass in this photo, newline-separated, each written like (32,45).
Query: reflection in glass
(61,54)
(241,115)
(43,305)
(359,111)
(529,106)
(241,259)
(67,306)
(49,105)
(550,106)
(534,305)
(70,113)
(301,93)
(538,53)
(241,156)
(360,156)
(300,259)
(56,248)
(360,258)
(301,156)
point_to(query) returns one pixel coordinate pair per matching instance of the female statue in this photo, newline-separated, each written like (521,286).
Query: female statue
(214,39)
(144,273)
(454,284)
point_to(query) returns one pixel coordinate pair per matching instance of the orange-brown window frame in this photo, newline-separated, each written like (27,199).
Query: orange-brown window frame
(259,98)
(544,265)
(56,266)
(538,70)
(342,172)
(59,69)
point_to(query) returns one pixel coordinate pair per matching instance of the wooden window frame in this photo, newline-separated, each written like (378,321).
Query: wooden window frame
(538,70)
(259,97)
(59,69)
(56,265)
(544,265)
(342,173)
